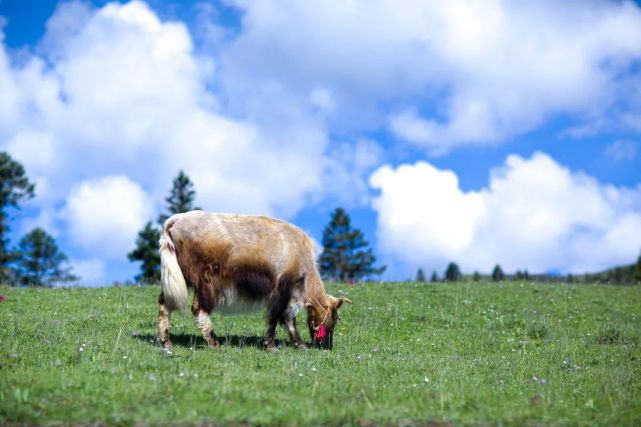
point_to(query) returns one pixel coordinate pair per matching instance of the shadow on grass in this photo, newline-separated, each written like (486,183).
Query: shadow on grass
(194,341)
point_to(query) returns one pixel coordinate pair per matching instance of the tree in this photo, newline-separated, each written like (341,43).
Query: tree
(497,274)
(453,273)
(181,197)
(39,261)
(147,253)
(476,276)
(420,276)
(434,277)
(14,188)
(346,255)
(637,270)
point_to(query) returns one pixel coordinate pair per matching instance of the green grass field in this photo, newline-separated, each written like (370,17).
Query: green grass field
(405,354)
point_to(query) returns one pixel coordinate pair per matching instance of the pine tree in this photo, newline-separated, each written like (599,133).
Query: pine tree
(181,198)
(420,276)
(497,274)
(346,255)
(39,262)
(453,273)
(637,270)
(14,188)
(147,253)
(434,277)
(476,276)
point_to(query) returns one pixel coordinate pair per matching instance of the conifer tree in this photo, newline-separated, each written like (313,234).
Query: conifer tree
(453,273)
(497,274)
(434,278)
(637,270)
(420,276)
(346,255)
(476,276)
(147,253)
(39,262)
(14,188)
(181,198)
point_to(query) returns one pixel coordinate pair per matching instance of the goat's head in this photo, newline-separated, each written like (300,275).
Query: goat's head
(322,319)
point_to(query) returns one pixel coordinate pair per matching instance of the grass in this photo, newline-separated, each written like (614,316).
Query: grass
(405,354)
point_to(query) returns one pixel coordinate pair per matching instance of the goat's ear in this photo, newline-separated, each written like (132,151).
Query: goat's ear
(341,300)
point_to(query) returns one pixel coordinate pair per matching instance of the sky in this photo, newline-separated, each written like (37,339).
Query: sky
(479,132)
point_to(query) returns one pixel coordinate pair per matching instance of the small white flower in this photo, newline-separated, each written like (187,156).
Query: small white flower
(427,380)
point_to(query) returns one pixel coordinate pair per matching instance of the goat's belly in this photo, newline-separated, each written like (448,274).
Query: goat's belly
(230,302)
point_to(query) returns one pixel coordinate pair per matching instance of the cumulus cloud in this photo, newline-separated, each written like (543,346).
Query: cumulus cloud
(103,214)
(458,72)
(534,214)
(116,90)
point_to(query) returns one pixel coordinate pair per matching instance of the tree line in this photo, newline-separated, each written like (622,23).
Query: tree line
(628,274)
(346,254)
(36,260)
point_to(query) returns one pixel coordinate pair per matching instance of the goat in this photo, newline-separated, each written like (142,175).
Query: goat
(240,261)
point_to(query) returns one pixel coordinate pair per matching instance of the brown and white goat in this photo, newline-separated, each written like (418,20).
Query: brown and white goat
(234,262)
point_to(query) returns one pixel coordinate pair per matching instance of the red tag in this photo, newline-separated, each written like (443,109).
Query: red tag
(321,332)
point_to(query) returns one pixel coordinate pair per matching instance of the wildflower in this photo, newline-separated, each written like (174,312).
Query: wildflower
(543,382)
(352,282)
(56,363)
(427,380)
(151,377)
(135,334)
(1,298)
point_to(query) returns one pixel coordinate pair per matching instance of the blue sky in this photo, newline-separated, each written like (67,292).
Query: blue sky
(475,132)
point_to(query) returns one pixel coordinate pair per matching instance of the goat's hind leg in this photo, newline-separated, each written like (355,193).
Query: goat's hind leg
(203,321)
(164,315)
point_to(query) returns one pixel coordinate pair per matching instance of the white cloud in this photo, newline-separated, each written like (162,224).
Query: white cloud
(116,90)
(534,214)
(622,149)
(488,70)
(103,215)
(91,272)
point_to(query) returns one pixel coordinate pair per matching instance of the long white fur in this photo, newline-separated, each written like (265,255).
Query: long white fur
(174,287)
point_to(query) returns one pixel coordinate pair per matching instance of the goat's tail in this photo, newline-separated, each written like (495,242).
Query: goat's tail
(174,287)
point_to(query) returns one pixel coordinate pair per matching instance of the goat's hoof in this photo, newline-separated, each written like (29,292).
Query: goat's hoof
(272,349)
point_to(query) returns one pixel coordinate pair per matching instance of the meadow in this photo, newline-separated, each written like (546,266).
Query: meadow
(405,354)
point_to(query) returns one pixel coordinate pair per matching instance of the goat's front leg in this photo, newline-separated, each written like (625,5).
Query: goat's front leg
(203,321)
(270,343)
(293,333)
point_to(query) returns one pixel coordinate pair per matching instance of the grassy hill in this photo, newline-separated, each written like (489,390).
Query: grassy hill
(465,353)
